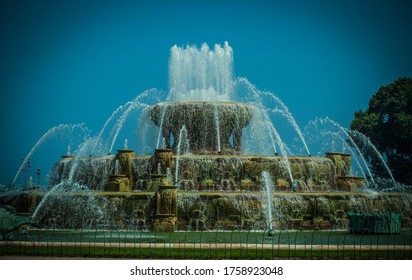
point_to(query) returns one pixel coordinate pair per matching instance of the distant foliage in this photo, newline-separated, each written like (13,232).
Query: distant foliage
(388,124)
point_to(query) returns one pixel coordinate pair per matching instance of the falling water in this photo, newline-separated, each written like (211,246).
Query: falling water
(345,132)
(135,104)
(257,98)
(108,121)
(319,136)
(357,162)
(70,184)
(182,138)
(282,148)
(161,126)
(117,167)
(168,175)
(120,122)
(51,132)
(217,124)
(85,207)
(367,141)
(81,151)
(268,126)
(268,184)
(289,117)
(44,199)
(159,168)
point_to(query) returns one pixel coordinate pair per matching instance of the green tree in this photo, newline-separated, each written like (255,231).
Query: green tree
(388,124)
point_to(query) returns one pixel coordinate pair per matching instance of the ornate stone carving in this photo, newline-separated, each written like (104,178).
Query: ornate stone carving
(162,159)
(122,178)
(166,209)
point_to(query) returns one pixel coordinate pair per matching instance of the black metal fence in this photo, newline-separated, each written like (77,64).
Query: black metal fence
(216,244)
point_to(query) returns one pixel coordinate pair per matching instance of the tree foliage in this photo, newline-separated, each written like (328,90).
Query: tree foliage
(388,124)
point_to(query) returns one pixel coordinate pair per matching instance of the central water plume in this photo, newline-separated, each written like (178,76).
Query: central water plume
(201,74)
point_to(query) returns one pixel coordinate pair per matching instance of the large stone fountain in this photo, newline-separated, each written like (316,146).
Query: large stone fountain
(199,175)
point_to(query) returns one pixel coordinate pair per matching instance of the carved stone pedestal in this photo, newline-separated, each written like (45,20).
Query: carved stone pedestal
(161,160)
(166,209)
(349,183)
(118,183)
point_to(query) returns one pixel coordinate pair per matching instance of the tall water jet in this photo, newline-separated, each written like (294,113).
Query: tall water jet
(200,74)
(268,185)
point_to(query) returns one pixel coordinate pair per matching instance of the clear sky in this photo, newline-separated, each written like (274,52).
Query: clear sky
(65,62)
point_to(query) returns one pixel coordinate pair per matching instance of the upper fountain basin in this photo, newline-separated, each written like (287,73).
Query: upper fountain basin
(211,127)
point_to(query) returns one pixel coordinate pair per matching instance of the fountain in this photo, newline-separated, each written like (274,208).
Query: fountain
(213,163)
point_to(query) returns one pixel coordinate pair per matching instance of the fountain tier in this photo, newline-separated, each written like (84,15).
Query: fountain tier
(212,127)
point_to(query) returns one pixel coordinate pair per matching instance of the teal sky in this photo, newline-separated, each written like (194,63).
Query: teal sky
(77,61)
